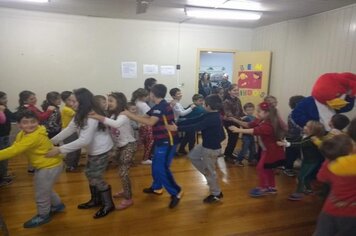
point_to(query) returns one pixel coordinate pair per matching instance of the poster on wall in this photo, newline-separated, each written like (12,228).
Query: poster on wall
(129,70)
(150,69)
(168,70)
(253,73)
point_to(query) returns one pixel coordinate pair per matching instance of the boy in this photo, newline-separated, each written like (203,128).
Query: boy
(189,135)
(337,123)
(204,156)
(338,216)
(33,141)
(248,140)
(178,109)
(164,144)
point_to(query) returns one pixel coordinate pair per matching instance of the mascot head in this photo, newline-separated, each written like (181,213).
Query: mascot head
(331,88)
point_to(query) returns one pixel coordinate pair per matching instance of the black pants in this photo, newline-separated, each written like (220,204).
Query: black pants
(188,138)
(232,139)
(329,225)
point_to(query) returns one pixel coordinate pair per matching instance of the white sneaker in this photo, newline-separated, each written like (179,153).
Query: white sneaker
(147,162)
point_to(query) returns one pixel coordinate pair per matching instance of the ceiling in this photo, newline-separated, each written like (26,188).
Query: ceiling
(172,10)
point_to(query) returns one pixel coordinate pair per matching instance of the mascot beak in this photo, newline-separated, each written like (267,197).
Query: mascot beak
(337,103)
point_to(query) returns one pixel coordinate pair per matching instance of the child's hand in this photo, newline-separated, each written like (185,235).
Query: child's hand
(95,116)
(281,143)
(2,108)
(53,152)
(125,113)
(51,108)
(173,103)
(234,129)
(173,127)
(193,106)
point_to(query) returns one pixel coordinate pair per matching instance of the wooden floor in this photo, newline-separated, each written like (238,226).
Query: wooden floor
(237,214)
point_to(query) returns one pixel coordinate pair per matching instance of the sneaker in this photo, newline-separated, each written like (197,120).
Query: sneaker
(271,190)
(31,171)
(150,190)
(289,173)
(58,208)
(258,192)
(213,198)
(239,163)
(5,182)
(124,204)
(229,159)
(295,197)
(175,200)
(221,155)
(118,194)
(308,191)
(37,221)
(146,162)
(71,169)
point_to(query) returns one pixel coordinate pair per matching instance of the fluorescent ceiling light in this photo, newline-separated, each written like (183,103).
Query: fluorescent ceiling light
(230,4)
(31,1)
(221,14)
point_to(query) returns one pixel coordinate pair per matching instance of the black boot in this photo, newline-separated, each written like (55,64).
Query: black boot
(108,204)
(94,201)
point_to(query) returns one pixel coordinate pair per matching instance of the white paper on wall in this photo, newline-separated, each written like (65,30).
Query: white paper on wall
(168,70)
(150,69)
(129,69)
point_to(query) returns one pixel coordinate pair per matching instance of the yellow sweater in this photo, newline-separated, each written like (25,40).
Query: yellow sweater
(67,115)
(35,147)
(344,165)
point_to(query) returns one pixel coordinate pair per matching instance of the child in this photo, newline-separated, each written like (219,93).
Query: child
(96,138)
(53,123)
(5,129)
(33,141)
(294,134)
(140,98)
(219,91)
(268,127)
(67,114)
(189,135)
(204,156)
(345,166)
(123,135)
(338,123)
(248,141)
(101,100)
(164,147)
(338,216)
(232,108)
(131,107)
(273,101)
(178,109)
(311,158)
(28,100)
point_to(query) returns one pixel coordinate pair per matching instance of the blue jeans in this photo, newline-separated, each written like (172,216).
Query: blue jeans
(162,175)
(4,143)
(248,145)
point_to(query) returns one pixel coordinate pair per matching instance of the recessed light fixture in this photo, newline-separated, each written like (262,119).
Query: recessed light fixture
(210,52)
(230,4)
(221,14)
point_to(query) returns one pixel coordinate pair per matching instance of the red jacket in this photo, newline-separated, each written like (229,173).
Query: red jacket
(41,115)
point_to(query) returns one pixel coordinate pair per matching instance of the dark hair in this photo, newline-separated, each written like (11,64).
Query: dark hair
(337,146)
(65,95)
(205,73)
(98,97)
(121,103)
(351,130)
(197,97)
(249,105)
(51,97)
(174,91)
(23,96)
(139,93)
(294,100)
(130,104)
(149,83)
(159,90)
(214,102)
(2,94)
(231,87)
(25,113)
(339,121)
(86,104)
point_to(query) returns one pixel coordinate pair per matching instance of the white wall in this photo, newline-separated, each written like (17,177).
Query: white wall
(43,51)
(305,48)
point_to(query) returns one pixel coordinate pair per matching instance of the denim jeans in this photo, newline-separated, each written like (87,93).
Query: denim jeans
(248,146)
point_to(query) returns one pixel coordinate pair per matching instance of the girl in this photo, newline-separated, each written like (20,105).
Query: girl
(311,157)
(96,138)
(67,114)
(123,135)
(28,100)
(270,131)
(140,97)
(54,123)
(231,108)
(5,129)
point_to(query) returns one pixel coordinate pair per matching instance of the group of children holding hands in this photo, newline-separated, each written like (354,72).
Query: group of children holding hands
(48,134)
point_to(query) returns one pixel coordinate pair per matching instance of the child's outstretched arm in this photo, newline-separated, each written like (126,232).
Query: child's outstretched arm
(147,120)
(17,148)
(234,129)
(239,122)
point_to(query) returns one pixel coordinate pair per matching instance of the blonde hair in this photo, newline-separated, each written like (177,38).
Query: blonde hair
(316,128)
